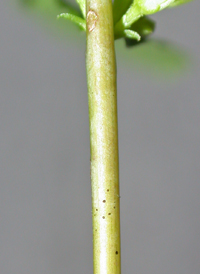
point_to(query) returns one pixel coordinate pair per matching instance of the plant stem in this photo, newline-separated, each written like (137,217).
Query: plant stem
(102,96)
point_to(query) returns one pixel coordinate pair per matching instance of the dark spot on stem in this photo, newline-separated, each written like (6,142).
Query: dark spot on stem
(116,252)
(104,201)
(103,217)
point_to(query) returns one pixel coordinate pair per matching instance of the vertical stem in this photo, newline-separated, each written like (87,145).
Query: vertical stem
(102,96)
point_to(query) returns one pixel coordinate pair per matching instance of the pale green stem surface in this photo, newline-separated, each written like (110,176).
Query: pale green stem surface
(102,96)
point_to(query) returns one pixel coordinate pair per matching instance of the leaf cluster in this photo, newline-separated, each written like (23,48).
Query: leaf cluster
(129,16)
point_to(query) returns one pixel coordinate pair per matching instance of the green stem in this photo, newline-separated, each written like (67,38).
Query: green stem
(102,96)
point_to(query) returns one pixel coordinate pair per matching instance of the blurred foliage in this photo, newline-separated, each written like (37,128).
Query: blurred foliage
(51,6)
(44,12)
(153,57)
(156,58)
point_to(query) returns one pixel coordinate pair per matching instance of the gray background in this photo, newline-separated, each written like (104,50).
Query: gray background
(45,203)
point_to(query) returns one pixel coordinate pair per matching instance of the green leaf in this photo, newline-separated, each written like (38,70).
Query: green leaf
(82,7)
(132,34)
(140,29)
(144,26)
(152,6)
(119,9)
(76,19)
(132,15)
(179,2)
(140,8)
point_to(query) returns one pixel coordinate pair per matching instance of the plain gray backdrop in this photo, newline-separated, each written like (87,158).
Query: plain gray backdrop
(45,200)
